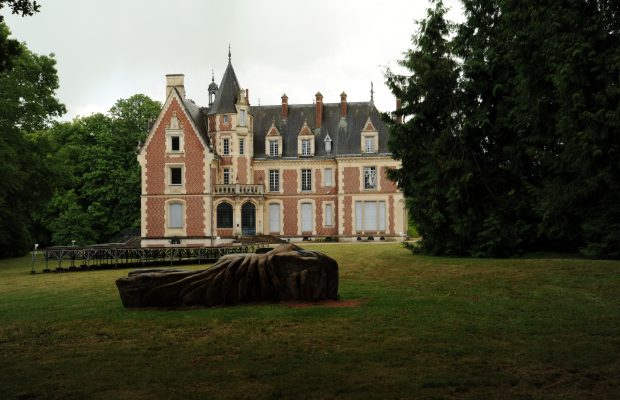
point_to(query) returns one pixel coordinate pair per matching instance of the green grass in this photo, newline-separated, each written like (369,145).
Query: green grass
(427,328)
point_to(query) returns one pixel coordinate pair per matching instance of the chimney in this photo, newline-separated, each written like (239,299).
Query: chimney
(319,109)
(343,104)
(284,106)
(175,81)
(399,118)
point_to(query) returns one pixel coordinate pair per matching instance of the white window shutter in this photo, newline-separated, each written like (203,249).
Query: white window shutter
(306,217)
(382,215)
(274,218)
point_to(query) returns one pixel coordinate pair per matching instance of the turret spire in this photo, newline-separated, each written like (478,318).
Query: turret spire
(228,52)
(372,93)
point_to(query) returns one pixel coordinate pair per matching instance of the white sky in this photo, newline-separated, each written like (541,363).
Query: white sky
(111,49)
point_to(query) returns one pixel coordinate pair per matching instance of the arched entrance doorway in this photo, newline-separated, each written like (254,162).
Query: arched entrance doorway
(248,219)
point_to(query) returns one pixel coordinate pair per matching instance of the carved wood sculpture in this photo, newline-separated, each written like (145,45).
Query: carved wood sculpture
(287,272)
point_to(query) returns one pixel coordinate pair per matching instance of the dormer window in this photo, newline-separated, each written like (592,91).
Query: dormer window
(305,148)
(369,144)
(273,148)
(242,117)
(328,144)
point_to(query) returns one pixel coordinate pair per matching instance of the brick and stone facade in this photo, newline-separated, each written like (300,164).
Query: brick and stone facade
(212,174)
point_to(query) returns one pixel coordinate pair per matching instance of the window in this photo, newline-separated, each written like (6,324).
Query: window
(306,217)
(328,179)
(329,214)
(241,146)
(224,215)
(328,144)
(242,117)
(175,219)
(274,218)
(274,180)
(306,179)
(226,176)
(273,148)
(370,177)
(226,145)
(225,119)
(370,215)
(369,144)
(175,143)
(305,148)
(176,175)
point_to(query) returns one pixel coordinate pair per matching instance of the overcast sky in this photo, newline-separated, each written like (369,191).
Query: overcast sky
(111,49)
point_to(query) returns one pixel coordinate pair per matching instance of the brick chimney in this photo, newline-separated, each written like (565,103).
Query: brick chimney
(175,81)
(319,109)
(343,104)
(284,106)
(399,118)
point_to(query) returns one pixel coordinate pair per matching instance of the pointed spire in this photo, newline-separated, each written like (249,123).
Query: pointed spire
(212,75)
(372,93)
(228,52)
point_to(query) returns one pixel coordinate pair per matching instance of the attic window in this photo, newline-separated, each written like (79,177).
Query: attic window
(328,144)
(305,148)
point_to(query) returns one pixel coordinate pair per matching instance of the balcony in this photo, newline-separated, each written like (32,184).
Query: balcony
(239,190)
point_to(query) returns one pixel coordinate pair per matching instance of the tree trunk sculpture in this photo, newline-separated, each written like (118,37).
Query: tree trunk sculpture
(287,272)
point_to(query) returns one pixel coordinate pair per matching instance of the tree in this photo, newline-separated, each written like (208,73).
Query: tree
(27,105)
(103,194)
(10,48)
(534,129)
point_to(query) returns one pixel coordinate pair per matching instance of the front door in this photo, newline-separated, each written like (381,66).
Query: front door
(248,219)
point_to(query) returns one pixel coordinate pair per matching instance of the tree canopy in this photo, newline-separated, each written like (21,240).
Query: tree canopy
(511,133)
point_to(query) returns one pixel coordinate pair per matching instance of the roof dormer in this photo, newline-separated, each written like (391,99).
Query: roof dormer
(305,141)
(369,138)
(273,141)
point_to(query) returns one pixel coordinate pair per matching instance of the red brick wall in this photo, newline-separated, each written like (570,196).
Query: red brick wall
(223,126)
(156,160)
(259,176)
(351,180)
(194,216)
(348,215)
(155,222)
(223,232)
(242,170)
(386,184)
(289,207)
(226,160)
(290,183)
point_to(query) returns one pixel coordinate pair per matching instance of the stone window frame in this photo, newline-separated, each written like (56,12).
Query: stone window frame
(312,202)
(375,142)
(323,175)
(363,216)
(241,146)
(174,188)
(376,181)
(333,207)
(232,215)
(174,231)
(281,216)
(279,185)
(301,181)
(226,172)
(226,146)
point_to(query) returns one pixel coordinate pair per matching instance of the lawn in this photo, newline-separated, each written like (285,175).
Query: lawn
(425,328)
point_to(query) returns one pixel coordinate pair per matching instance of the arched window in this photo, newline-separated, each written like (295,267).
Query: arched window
(224,215)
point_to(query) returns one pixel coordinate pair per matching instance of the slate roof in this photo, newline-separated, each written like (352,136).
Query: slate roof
(344,132)
(226,96)
(198,116)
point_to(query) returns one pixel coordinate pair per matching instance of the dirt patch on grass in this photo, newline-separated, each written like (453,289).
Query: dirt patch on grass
(322,303)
